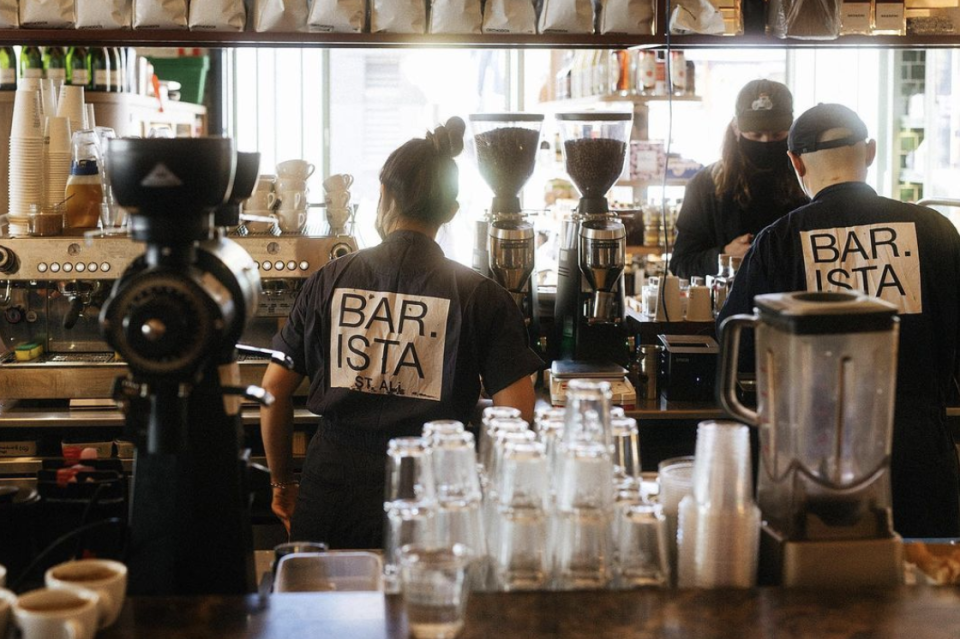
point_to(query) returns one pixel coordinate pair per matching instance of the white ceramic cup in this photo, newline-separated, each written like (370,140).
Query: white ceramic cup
(337,218)
(338,182)
(337,199)
(57,613)
(265,182)
(296,169)
(262,227)
(105,577)
(698,306)
(260,201)
(292,220)
(7,601)
(290,184)
(292,200)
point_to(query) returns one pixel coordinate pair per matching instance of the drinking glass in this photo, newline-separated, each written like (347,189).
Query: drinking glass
(583,550)
(409,471)
(641,547)
(524,478)
(626,448)
(488,435)
(588,411)
(455,468)
(405,523)
(441,427)
(522,554)
(503,437)
(434,582)
(586,478)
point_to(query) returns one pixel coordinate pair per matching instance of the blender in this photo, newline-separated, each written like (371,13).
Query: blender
(506,146)
(826,382)
(590,297)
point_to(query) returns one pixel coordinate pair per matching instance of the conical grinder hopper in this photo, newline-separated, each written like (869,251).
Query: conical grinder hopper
(506,145)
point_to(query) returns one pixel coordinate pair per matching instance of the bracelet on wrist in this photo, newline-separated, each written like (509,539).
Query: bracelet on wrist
(282,485)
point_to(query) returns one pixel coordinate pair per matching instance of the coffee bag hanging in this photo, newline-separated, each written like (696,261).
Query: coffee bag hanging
(47,14)
(9,16)
(159,14)
(455,16)
(509,16)
(566,16)
(398,16)
(104,14)
(629,17)
(217,15)
(337,16)
(280,15)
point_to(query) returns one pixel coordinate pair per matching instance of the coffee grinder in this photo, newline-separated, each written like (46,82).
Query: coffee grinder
(175,316)
(590,301)
(506,146)
(826,383)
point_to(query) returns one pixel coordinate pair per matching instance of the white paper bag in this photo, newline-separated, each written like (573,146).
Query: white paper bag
(104,14)
(631,17)
(280,15)
(159,14)
(217,15)
(566,16)
(47,14)
(337,16)
(455,16)
(509,16)
(398,16)
(9,16)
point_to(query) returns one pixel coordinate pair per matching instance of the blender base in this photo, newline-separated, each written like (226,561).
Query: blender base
(829,564)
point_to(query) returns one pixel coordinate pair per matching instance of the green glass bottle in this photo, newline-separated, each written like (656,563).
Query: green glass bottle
(77,73)
(55,64)
(8,69)
(31,62)
(98,66)
(116,70)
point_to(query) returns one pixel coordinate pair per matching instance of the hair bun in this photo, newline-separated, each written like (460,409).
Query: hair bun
(447,139)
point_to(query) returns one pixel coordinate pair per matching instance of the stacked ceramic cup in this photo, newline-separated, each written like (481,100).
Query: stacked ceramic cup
(56,158)
(337,197)
(291,191)
(26,158)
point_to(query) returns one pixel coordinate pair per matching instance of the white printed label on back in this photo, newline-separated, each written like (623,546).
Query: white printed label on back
(881,260)
(388,343)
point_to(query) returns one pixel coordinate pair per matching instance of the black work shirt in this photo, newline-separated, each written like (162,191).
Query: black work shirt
(396,335)
(847,238)
(708,223)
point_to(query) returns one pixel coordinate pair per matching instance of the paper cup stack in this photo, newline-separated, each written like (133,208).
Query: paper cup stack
(56,159)
(71,106)
(26,156)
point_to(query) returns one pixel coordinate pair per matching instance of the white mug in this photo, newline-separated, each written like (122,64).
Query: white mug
(105,577)
(56,613)
(292,220)
(338,182)
(337,218)
(262,227)
(337,199)
(292,201)
(7,601)
(291,184)
(296,169)
(260,201)
(265,182)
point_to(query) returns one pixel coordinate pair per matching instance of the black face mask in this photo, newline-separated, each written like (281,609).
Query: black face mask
(764,155)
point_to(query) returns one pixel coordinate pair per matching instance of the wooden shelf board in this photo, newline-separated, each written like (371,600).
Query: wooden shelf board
(184,38)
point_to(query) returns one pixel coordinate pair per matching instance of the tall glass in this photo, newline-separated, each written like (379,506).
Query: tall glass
(435,589)
(588,411)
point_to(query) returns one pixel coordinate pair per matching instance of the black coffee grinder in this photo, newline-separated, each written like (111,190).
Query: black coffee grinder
(590,302)
(506,146)
(175,316)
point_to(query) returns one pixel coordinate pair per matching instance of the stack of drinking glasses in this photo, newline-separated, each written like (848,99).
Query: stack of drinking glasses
(719,526)
(409,503)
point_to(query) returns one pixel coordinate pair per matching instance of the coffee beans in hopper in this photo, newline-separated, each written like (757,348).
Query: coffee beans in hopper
(506,157)
(594,164)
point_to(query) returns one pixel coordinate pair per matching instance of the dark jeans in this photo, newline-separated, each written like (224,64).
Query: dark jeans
(341,495)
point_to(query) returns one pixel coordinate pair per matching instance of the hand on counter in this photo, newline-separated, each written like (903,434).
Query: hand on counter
(284,502)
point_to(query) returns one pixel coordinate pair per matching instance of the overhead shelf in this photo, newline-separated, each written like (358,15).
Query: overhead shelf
(190,39)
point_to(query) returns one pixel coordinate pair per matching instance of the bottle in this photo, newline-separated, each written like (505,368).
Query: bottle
(678,72)
(84,192)
(77,73)
(691,78)
(647,73)
(98,68)
(116,70)
(8,69)
(721,282)
(31,62)
(55,64)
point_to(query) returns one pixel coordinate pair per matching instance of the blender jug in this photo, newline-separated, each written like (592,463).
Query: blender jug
(826,377)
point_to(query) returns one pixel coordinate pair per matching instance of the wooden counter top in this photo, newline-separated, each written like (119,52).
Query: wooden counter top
(905,613)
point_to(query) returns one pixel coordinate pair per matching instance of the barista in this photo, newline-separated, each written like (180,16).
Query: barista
(728,202)
(848,237)
(390,337)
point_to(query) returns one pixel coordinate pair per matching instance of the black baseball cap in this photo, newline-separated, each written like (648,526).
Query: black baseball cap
(764,105)
(812,123)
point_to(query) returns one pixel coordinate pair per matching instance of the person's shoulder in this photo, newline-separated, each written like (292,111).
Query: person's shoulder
(704,177)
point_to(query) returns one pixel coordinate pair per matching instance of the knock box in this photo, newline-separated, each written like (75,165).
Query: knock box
(688,367)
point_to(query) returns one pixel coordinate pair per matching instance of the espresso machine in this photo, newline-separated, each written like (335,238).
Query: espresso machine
(590,303)
(506,146)
(826,383)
